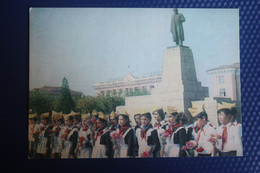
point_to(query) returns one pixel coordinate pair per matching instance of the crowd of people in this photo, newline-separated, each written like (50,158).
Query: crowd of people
(97,135)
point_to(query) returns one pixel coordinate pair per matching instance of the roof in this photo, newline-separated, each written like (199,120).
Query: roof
(236,65)
(56,90)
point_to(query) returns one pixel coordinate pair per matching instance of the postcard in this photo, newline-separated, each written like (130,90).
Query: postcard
(134,83)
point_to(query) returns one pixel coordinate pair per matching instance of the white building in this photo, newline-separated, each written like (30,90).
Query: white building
(226,81)
(128,84)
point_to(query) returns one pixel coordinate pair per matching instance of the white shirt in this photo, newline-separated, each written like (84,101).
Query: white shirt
(204,134)
(233,139)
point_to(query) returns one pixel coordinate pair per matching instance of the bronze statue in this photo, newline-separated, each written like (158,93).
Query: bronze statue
(177,28)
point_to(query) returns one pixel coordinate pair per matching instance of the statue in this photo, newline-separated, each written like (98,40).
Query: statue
(177,28)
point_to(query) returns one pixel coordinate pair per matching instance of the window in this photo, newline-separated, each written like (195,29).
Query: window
(222,93)
(220,79)
(120,91)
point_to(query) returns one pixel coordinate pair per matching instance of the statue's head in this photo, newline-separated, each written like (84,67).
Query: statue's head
(175,10)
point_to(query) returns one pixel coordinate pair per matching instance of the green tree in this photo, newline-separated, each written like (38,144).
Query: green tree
(145,92)
(137,92)
(40,102)
(86,104)
(66,103)
(108,103)
(131,93)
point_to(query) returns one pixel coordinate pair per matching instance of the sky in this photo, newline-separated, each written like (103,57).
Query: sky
(91,45)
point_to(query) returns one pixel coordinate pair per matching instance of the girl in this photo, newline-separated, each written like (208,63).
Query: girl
(229,143)
(43,147)
(189,129)
(84,147)
(31,135)
(57,130)
(113,119)
(137,118)
(236,124)
(103,145)
(204,134)
(177,135)
(77,120)
(69,138)
(148,143)
(126,142)
(159,118)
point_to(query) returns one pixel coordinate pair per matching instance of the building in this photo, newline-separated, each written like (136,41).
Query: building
(226,81)
(128,84)
(56,91)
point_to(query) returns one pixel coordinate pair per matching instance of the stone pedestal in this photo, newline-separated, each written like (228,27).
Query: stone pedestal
(179,84)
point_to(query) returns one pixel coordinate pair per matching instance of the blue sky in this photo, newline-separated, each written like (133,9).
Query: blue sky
(90,45)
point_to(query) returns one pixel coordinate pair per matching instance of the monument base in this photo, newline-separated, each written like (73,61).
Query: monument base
(179,84)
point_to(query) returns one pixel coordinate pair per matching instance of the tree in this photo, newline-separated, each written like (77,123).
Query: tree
(66,103)
(145,92)
(40,102)
(86,104)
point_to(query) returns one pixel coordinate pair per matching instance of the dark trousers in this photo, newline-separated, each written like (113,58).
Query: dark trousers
(204,155)
(230,153)
(57,156)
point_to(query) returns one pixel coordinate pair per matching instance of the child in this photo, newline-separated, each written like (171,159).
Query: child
(69,138)
(159,117)
(188,127)
(77,120)
(126,142)
(57,130)
(113,119)
(177,135)
(206,131)
(43,147)
(103,145)
(137,118)
(84,147)
(148,143)
(229,143)
(31,135)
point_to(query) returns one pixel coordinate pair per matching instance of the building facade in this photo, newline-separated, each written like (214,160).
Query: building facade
(226,81)
(129,84)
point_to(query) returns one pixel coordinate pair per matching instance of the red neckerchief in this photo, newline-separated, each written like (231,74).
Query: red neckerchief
(67,131)
(201,130)
(175,126)
(224,137)
(57,130)
(99,133)
(85,129)
(158,125)
(121,131)
(32,128)
(196,128)
(143,132)
(43,128)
